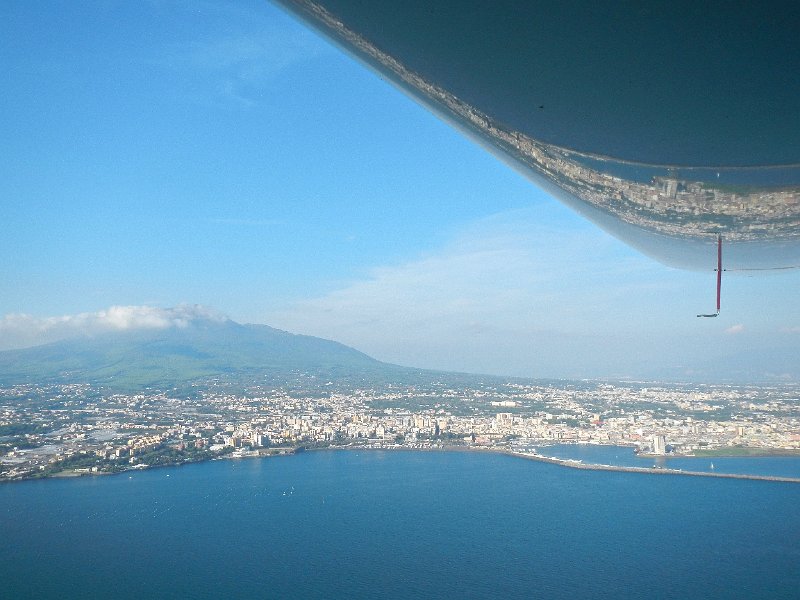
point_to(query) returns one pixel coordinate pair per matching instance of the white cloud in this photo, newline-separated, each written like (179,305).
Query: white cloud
(734,329)
(21,330)
(507,294)
(239,66)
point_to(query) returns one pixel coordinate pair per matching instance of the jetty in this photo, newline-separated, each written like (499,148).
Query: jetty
(576,464)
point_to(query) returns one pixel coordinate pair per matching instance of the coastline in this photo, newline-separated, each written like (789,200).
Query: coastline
(533,456)
(569,463)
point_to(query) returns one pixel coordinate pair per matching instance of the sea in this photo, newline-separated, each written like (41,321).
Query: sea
(398,524)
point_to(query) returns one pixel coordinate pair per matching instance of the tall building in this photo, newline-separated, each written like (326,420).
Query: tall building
(659,444)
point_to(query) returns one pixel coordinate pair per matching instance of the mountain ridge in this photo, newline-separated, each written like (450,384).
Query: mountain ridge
(129,359)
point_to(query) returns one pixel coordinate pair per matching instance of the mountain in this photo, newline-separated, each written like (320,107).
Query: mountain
(176,355)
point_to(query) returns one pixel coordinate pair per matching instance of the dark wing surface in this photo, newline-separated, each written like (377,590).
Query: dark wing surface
(666,124)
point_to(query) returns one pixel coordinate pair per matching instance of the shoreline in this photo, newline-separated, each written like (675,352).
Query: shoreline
(561,462)
(569,463)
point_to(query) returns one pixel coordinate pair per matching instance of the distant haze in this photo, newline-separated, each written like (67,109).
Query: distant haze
(414,336)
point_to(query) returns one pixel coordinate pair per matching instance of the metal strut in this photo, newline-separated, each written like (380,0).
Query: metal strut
(719,276)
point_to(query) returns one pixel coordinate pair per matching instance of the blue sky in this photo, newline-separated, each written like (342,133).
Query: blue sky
(158,154)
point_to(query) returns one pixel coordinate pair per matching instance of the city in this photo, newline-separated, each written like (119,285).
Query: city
(74,429)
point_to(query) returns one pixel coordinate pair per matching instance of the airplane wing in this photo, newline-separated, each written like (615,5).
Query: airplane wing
(666,125)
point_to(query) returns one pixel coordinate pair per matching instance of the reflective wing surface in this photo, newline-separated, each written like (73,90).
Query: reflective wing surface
(668,126)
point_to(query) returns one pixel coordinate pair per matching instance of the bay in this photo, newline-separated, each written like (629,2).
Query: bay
(397,525)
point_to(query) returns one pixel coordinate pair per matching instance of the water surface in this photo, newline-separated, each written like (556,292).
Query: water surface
(397,525)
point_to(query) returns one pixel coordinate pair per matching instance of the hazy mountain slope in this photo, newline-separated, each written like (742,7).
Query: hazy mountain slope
(176,355)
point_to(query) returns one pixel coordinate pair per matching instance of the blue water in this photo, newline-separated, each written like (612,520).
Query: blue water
(398,525)
(779,466)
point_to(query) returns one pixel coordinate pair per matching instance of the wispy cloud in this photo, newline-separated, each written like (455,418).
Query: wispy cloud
(501,296)
(248,222)
(238,67)
(734,329)
(21,330)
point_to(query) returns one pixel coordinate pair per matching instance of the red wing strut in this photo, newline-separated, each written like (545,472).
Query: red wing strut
(719,276)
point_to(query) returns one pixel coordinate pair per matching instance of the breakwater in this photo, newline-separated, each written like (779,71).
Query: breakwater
(575,464)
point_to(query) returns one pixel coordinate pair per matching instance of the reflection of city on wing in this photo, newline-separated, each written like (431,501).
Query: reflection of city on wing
(678,207)
(683,203)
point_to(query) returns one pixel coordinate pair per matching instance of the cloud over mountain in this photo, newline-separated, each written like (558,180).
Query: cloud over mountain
(22,330)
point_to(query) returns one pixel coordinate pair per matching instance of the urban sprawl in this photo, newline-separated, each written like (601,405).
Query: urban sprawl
(82,429)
